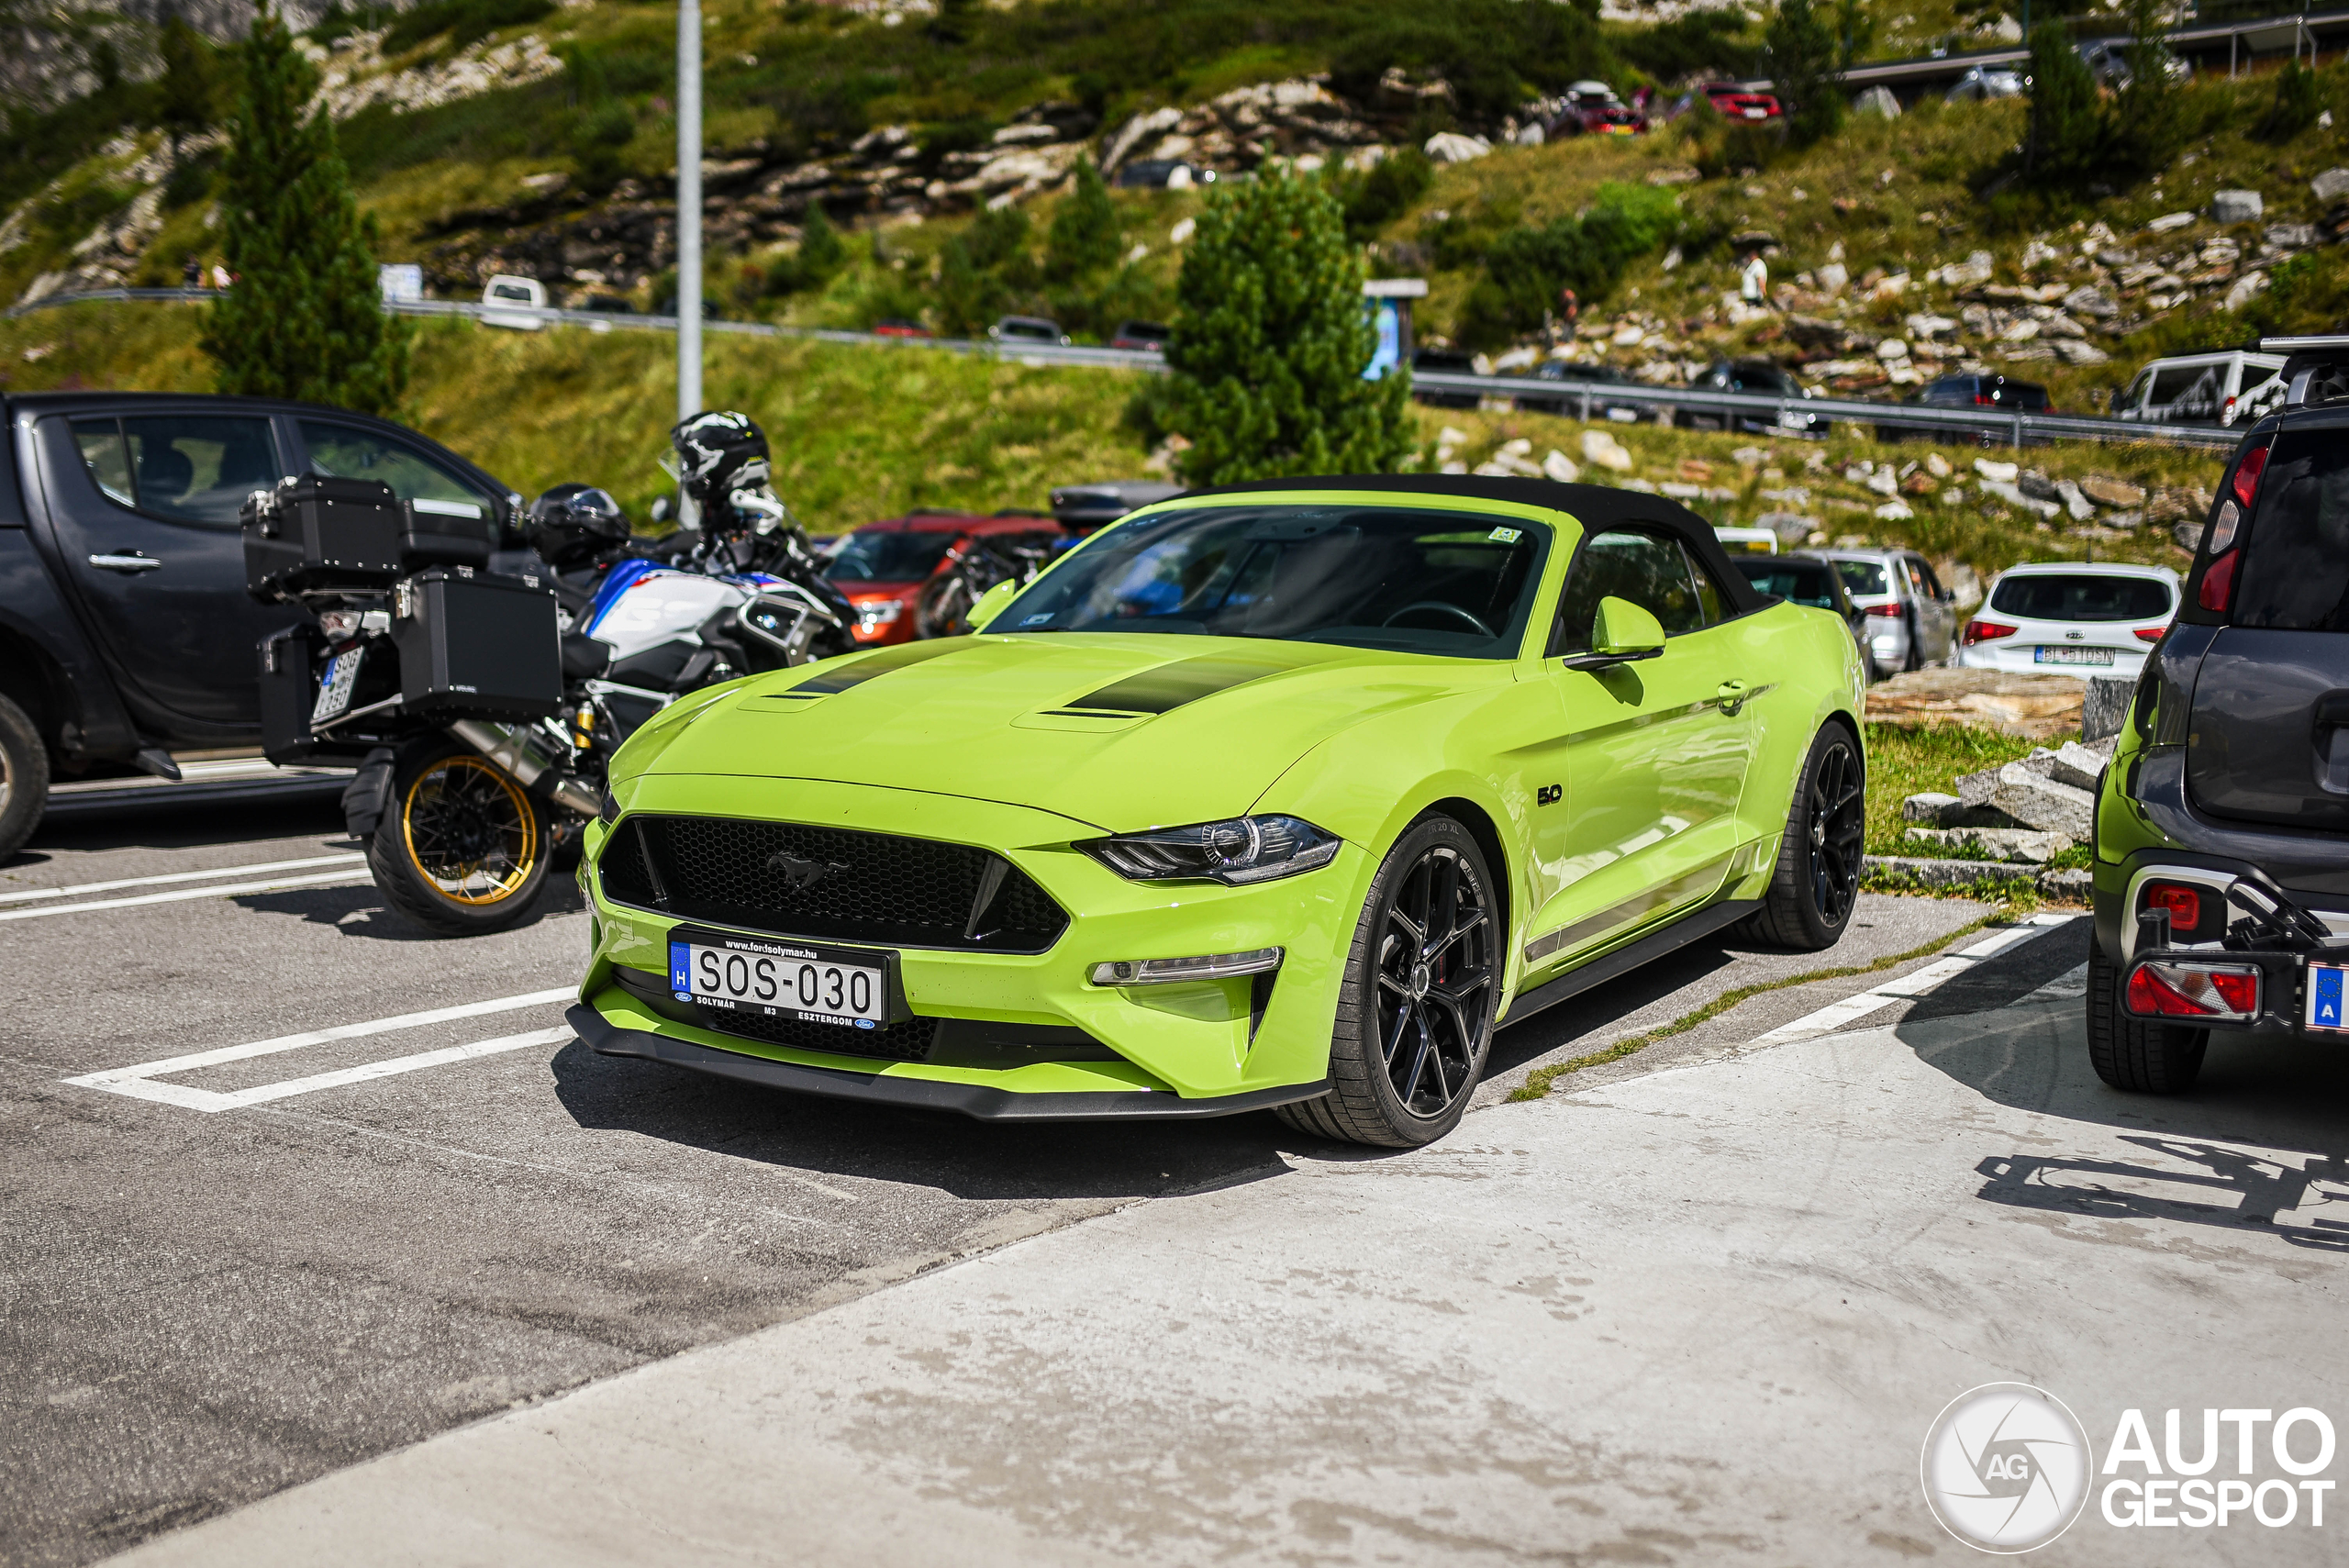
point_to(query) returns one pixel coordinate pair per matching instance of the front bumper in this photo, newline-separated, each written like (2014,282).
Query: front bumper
(1193,1048)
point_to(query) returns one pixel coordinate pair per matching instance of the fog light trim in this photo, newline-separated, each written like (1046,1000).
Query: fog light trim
(1174,970)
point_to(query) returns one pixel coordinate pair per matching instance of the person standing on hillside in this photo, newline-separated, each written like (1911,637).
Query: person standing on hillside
(1753,281)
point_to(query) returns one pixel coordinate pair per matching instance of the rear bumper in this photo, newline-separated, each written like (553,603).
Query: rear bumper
(2127,663)
(972,1100)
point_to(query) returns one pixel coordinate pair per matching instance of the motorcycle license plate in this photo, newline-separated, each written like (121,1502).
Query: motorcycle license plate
(335,686)
(781,979)
(2073,656)
(2328,997)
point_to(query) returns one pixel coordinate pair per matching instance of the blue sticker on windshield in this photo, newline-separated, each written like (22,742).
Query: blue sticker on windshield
(1038,620)
(1504,536)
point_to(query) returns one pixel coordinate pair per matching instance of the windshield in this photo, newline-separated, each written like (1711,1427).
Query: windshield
(889,556)
(1864,577)
(2087,596)
(1420,581)
(1804,582)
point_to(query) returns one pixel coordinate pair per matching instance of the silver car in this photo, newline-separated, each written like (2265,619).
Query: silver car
(1984,83)
(1912,620)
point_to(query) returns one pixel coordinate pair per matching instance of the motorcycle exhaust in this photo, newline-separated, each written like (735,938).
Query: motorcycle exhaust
(529,756)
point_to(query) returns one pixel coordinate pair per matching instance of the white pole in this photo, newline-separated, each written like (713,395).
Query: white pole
(688,208)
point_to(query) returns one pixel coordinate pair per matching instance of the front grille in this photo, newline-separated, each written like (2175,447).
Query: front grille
(830,884)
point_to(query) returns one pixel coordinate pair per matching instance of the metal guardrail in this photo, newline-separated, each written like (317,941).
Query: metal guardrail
(2195,38)
(1587,400)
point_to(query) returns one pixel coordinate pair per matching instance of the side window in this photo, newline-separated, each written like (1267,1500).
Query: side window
(349,452)
(1650,571)
(191,468)
(1926,580)
(1709,598)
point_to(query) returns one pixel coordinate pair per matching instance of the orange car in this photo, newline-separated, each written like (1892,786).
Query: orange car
(883,567)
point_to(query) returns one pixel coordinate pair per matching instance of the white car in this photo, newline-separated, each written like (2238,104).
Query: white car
(517,303)
(2069,619)
(2232,387)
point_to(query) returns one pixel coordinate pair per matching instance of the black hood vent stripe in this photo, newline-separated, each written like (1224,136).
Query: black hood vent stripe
(1171,685)
(841,677)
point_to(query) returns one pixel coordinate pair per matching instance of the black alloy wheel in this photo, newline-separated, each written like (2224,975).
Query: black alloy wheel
(464,849)
(1415,1018)
(1816,884)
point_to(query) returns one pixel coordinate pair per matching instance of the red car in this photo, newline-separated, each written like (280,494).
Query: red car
(883,568)
(1735,102)
(1598,119)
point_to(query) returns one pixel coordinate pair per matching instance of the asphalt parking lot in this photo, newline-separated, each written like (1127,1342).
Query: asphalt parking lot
(291,1187)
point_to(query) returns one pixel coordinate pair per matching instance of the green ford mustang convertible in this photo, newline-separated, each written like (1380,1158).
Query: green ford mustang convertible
(1278,795)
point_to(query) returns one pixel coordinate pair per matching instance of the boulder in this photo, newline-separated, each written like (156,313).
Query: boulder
(2236,207)
(2074,884)
(1450,147)
(2023,845)
(1976,791)
(2114,493)
(2075,501)
(1560,467)
(1792,528)
(2036,801)
(2106,708)
(1989,467)
(2331,187)
(2001,490)
(1598,447)
(1931,811)
(2074,764)
(2189,534)
(1878,101)
(2030,705)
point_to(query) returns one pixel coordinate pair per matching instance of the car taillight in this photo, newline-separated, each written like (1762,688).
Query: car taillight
(2246,480)
(2184,904)
(2218,590)
(1888,612)
(2151,633)
(2194,991)
(1982,400)
(1986,631)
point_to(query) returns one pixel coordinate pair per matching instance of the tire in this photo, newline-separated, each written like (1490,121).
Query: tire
(2133,1053)
(1400,1070)
(463,849)
(24,778)
(942,608)
(1817,880)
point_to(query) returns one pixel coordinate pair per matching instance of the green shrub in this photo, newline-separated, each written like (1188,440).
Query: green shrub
(1084,239)
(1526,268)
(2066,142)
(2298,101)
(465,21)
(1804,58)
(1385,191)
(819,260)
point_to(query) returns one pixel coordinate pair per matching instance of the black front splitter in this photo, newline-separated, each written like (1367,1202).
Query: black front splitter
(972,1100)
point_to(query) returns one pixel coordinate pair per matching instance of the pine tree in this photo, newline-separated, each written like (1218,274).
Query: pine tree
(304,319)
(183,97)
(2146,129)
(1084,236)
(2066,127)
(1802,70)
(1270,340)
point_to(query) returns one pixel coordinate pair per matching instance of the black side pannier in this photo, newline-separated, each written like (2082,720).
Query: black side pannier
(476,647)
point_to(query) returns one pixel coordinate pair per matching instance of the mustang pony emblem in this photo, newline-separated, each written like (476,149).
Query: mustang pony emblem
(800,876)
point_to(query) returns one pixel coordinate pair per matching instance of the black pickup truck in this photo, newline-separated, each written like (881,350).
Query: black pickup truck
(126,629)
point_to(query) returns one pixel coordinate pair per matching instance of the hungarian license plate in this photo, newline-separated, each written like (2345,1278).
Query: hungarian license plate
(781,979)
(2328,993)
(335,686)
(2073,656)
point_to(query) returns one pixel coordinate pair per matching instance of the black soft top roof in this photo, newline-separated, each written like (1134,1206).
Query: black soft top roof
(1596,506)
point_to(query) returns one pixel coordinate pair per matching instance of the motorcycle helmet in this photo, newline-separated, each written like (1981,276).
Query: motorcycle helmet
(571,525)
(719,454)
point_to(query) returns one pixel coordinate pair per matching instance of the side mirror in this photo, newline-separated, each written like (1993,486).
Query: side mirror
(1624,630)
(991,603)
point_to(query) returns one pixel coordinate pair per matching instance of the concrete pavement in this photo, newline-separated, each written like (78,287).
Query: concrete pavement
(1699,1315)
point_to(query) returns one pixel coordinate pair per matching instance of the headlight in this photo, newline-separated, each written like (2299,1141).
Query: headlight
(878,612)
(1242,849)
(607,809)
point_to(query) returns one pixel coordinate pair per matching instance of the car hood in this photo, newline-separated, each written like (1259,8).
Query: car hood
(1116,730)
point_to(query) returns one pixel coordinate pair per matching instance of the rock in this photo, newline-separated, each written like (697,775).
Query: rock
(2108,492)
(2073,763)
(2246,288)
(1892,349)
(2023,845)
(2041,802)
(1920,483)
(1792,528)
(2105,710)
(2189,534)
(2089,300)
(1834,278)
(2331,187)
(1560,467)
(1975,270)
(1895,511)
(1749,457)
(2072,351)
(2004,31)
(1878,101)
(1931,811)
(1604,450)
(1450,147)
(1884,482)
(2075,884)
(2031,705)
(1937,465)
(2075,502)
(2001,490)
(1989,467)
(2168,222)
(2236,207)
(2036,485)
(1905,871)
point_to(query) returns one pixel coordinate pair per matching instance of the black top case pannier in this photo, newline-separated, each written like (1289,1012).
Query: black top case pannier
(318,533)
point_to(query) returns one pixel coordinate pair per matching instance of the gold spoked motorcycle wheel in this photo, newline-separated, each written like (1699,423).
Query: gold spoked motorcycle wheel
(464,848)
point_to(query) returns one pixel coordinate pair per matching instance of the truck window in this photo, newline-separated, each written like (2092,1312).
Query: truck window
(192,468)
(349,452)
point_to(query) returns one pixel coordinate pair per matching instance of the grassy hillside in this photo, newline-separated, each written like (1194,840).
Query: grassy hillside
(868,433)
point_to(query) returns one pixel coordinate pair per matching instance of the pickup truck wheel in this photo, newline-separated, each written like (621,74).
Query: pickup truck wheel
(24,778)
(464,849)
(1415,1016)
(1817,880)
(2134,1053)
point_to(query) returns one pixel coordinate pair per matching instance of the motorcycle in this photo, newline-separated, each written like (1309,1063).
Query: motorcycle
(482,710)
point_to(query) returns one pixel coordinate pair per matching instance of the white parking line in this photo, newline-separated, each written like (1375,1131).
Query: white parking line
(85,888)
(234,889)
(139,1082)
(1836,1015)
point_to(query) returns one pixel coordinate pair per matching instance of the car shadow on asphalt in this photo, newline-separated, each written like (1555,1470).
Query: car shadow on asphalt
(2259,1148)
(956,1154)
(364,912)
(169,826)
(1589,1016)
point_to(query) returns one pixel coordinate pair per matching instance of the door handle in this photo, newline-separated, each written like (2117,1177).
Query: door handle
(1731,697)
(129,562)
